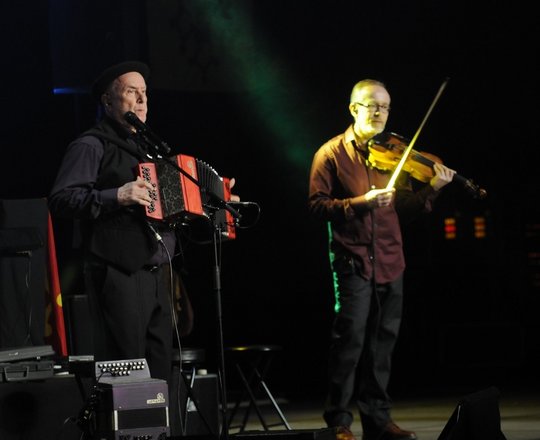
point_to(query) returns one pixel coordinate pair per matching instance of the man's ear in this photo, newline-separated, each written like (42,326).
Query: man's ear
(106,99)
(353,109)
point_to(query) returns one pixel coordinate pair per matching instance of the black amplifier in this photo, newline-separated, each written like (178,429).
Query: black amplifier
(132,409)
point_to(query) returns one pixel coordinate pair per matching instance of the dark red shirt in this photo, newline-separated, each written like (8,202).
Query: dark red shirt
(339,174)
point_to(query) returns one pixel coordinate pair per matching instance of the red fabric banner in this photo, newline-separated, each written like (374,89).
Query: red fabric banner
(55,332)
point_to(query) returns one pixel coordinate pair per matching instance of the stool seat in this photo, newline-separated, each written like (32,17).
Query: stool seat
(252,362)
(254,348)
(189,356)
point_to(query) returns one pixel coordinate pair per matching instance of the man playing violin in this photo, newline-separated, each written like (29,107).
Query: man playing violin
(366,255)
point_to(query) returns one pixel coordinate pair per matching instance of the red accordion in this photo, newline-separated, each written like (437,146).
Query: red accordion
(176,197)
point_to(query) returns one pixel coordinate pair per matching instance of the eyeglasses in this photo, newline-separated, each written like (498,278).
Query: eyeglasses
(373,107)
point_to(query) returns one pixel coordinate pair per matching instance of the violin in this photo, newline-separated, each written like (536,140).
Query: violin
(386,150)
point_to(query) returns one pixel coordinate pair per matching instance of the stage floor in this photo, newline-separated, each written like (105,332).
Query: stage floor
(427,416)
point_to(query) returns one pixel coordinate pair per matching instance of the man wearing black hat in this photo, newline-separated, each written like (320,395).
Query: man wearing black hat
(127,262)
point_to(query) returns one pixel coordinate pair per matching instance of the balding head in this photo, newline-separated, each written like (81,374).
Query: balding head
(360,85)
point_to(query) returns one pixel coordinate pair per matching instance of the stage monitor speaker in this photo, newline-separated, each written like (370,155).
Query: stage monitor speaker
(476,417)
(201,419)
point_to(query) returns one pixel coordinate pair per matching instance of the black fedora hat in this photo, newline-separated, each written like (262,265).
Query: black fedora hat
(111,73)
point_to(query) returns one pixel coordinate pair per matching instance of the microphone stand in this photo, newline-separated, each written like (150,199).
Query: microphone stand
(158,146)
(219,322)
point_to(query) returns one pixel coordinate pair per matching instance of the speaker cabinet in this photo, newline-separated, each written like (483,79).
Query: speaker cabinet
(132,408)
(40,410)
(22,272)
(194,413)
(476,417)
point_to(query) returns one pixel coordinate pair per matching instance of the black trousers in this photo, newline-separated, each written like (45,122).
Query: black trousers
(364,333)
(131,315)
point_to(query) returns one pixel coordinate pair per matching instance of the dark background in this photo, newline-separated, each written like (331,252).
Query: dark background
(254,87)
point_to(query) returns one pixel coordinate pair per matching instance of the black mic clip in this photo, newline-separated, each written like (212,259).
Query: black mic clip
(149,137)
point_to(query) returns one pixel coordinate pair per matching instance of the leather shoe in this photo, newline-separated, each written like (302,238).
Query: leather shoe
(392,432)
(344,433)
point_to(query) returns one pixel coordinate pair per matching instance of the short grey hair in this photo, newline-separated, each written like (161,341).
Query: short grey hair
(364,83)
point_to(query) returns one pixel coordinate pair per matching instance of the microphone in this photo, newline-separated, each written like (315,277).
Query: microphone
(241,203)
(146,133)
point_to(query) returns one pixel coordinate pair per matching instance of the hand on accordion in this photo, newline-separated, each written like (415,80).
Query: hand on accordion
(234,197)
(136,192)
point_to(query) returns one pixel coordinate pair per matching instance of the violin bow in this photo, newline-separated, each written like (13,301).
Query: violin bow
(409,148)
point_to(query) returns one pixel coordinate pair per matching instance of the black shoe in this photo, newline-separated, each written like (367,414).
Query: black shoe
(392,432)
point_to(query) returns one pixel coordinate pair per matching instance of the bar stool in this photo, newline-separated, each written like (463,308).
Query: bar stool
(187,361)
(252,362)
